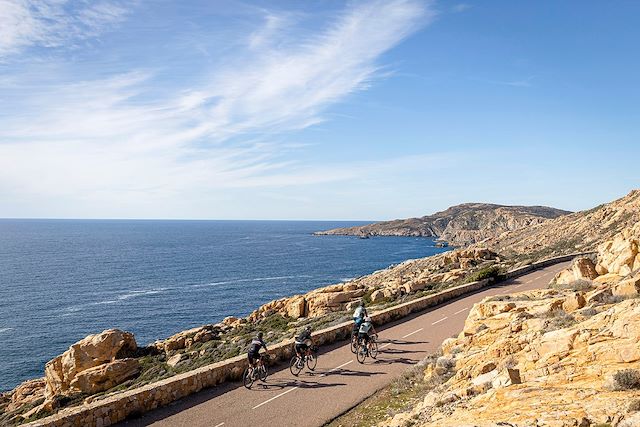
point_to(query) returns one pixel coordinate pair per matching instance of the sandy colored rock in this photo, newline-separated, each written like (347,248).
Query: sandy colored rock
(90,352)
(188,338)
(628,287)
(574,302)
(580,269)
(104,377)
(26,393)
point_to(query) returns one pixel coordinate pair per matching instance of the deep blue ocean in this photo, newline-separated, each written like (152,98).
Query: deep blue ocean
(61,280)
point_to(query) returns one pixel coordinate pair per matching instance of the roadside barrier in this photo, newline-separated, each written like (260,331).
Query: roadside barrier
(131,403)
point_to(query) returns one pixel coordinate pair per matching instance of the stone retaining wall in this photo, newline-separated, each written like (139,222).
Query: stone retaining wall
(137,401)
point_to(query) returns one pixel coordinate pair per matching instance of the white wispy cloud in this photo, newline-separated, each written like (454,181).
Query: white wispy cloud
(120,140)
(54,23)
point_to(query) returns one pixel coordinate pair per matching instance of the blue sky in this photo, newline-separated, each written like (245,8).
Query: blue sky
(314,110)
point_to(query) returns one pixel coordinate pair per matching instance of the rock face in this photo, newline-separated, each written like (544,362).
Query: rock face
(459,225)
(405,278)
(546,357)
(91,364)
(581,269)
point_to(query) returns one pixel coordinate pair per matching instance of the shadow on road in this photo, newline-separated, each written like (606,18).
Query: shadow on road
(390,361)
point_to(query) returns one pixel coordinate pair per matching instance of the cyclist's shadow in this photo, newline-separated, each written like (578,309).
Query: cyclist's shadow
(300,383)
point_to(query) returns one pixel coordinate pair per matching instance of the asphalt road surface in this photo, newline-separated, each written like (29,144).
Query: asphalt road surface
(339,381)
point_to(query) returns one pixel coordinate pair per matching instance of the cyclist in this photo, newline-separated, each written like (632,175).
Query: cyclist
(366,330)
(303,341)
(358,316)
(254,349)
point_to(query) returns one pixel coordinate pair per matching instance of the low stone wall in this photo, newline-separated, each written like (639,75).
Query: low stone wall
(137,401)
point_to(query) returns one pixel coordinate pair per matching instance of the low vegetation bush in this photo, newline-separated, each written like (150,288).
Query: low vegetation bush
(559,319)
(627,379)
(576,285)
(492,273)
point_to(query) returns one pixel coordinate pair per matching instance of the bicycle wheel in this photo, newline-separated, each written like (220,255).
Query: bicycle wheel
(361,354)
(296,365)
(262,373)
(354,343)
(312,361)
(247,378)
(373,349)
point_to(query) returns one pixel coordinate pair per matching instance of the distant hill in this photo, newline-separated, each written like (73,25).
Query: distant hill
(459,225)
(576,232)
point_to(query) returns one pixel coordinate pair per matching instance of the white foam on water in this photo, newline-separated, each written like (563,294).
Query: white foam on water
(5,330)
(255,279)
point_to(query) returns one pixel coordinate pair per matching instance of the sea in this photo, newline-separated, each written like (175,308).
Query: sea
(61,280)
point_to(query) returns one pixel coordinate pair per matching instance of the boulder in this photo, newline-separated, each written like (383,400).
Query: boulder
(558,341)
(627,287)
(574,302)
(581,269)
(506,378)
(104,377)
(26,393)
(377,296)
(188,338)
(620,255)
(296,307)
(175,359)
(90,352)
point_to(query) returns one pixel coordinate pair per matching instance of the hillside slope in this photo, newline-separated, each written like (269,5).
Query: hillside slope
(459,225)
(576,232)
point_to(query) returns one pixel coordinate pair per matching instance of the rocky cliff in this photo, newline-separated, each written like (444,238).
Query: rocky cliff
(459,225)
(564,356)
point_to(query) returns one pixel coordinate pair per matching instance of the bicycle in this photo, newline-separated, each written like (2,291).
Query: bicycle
(354,340)
(371,349)
(253,373)
(309,357)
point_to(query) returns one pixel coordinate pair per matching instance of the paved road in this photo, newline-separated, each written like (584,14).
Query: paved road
(339,382)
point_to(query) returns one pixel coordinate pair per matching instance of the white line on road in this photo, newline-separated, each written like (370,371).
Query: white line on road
(336,368)
(414,332)
(385,345)
(438,321)
(219,425)
(460,311)
(529,281)
(275,397)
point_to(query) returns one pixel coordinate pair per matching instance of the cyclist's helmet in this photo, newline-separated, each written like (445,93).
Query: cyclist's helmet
(308,328)
(259,335)
(367,319)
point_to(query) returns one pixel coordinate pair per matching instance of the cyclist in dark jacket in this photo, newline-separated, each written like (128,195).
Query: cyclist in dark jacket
(303,341)
(254,348)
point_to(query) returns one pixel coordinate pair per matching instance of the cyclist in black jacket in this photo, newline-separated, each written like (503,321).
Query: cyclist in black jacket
(254,349)
(303,341)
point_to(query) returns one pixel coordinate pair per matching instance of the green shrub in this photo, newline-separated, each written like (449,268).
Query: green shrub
(627,379)
(492,273)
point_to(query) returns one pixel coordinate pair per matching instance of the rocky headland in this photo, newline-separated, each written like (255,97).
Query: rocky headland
(110,362)
(459,225)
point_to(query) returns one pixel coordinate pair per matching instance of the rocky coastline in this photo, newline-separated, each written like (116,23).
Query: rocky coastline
(110,362)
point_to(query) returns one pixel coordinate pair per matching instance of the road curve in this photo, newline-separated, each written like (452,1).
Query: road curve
(339,381)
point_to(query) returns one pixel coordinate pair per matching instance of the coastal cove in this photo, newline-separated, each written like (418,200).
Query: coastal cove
(61,280)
